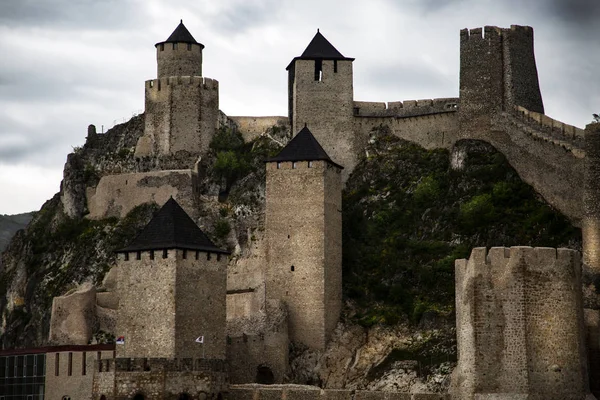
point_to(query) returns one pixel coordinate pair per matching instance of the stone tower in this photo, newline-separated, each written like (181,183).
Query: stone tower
(304,238)
(519,325)
(320,95)
(172,289)
(182,107)
(497,72)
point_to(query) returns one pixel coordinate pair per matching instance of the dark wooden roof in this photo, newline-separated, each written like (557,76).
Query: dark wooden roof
(303,147)
(172,228)
(181,35)
(320,48)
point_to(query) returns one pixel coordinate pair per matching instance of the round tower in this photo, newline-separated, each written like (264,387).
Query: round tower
(179,55)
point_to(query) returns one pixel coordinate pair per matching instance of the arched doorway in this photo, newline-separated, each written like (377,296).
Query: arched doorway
(264,375)
(139,396)
(184,396)
(103,397)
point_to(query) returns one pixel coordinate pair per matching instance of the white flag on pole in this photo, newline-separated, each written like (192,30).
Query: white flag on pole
(200,339)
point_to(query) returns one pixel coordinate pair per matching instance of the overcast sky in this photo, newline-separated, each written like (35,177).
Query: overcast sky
(65,64)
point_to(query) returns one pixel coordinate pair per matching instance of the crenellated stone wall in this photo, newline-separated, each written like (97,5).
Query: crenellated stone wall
(519,322)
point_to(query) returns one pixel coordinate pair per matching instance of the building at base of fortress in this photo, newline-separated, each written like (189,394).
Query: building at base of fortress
(190,326)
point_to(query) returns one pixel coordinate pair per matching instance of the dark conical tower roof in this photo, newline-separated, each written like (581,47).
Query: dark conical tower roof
(172,228)
(303,147)
(320,48)
(181,35)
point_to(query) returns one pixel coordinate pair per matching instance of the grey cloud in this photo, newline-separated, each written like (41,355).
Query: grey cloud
(70,14)
(411,78)
(578,12)
(243,17)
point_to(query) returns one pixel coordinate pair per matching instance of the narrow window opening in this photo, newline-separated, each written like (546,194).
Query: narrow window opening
(335,66)
(127,256)
(152,254)
(184,254)
(138,255)
(208,256)
(288,236)
(189,46)
(294,165)
(162,47)
(165,253)
(174,46)
(70,368)
(318,70)
(83,361)
(218,256)
(56,364)
(278,165)
(293,269)
(310,164)
(197,254)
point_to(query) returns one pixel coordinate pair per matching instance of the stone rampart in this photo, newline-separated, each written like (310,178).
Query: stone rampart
(553,167)
(253,127)
(406,108)
(302,392)
(591,199)
(430,131)
(519,322)
(568,136)
(116,195)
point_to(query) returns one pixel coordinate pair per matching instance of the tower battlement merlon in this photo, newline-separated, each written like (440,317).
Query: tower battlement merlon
(198,81)
(542,259)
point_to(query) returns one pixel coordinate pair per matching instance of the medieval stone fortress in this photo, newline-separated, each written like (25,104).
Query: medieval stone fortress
(190,326)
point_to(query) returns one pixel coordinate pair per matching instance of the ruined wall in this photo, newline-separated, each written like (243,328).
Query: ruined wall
(73,317)
(253,127)
(182,114)
(298,207)
(166,303)
(326,107)
(300,392)
(519,322)
(116,195)
(178,59)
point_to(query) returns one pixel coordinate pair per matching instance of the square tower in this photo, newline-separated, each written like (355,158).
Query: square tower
(172,289)
(304,238)
(321,95)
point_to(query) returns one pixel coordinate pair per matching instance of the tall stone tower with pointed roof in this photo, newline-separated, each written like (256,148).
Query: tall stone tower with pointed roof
(172,289)
(304,238)
(182,107)
(321,95)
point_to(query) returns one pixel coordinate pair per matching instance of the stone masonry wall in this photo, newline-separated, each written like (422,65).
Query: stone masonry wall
(520,325)
(295,220)
(71,378)
(182,114)
(116,195)
(253,127)
(591,199)
(166,303)
(299,392)
(178,59)
(326,107)
(430,131)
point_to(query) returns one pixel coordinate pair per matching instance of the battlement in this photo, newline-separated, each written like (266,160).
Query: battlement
(541,259)
(198,81)
(494,32)
(406,108)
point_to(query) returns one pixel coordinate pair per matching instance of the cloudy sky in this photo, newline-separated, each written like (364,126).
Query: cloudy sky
(65,64)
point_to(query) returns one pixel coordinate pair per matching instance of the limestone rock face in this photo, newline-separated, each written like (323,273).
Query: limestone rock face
(379,358)
(73,316)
